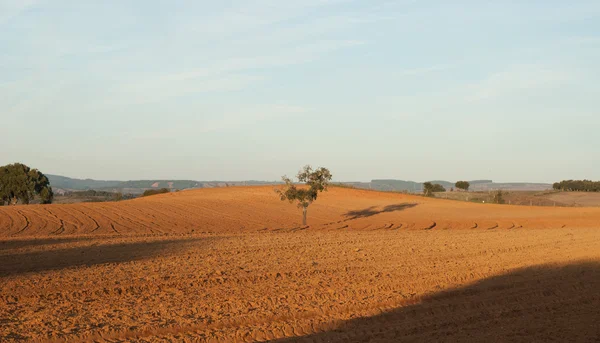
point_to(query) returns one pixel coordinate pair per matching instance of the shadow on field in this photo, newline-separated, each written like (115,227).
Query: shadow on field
(538,304)
(89,255)
(33,242)
(373,210)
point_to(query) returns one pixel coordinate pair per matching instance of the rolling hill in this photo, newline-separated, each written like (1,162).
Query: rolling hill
(248,209)
(63,183)
(232,264)
(139,186)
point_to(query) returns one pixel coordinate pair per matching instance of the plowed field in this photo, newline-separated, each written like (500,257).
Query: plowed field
(234,265)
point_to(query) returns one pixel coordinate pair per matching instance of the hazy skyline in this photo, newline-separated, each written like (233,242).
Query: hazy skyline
(204,90)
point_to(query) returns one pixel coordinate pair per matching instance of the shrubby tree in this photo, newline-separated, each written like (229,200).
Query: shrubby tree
(464,185)
(430,188)
(316,182)
(19,183)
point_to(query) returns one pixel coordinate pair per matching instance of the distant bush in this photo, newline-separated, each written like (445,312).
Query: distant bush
(343,185)
(93,200)
(499,198)
(156,191)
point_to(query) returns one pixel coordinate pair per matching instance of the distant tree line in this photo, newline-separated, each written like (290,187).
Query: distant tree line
(19,183)
(155,192)
(91,195)
(577,186)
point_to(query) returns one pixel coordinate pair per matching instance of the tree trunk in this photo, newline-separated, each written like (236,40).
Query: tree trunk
(304,210)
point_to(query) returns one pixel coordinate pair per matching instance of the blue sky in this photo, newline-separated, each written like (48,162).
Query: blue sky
(254,89)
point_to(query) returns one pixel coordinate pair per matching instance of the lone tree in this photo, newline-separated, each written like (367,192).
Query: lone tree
(18,182)
(316,181)
(464,185)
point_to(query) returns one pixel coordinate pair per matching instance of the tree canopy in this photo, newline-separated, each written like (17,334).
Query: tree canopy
(19,183)
(317,182)
(464,185)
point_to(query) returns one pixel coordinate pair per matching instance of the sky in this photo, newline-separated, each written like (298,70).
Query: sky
(255,89)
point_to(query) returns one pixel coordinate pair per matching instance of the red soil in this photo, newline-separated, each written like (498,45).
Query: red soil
(234,265)
(249,209)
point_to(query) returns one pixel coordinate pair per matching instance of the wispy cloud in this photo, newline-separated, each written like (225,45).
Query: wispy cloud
(584,40)
(231,119)
(522,79)
(209,48)
(423,70)
(252,62)
(231,74)
(10,9)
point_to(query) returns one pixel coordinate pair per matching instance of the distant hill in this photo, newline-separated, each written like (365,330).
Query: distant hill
(62,183)
(476,185)
(396,185)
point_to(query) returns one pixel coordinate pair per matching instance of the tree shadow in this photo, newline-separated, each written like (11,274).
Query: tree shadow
(33,242)
(12,264)
(373,210)
(537,304)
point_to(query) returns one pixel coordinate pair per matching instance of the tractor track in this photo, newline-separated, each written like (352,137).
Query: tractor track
(27,223)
